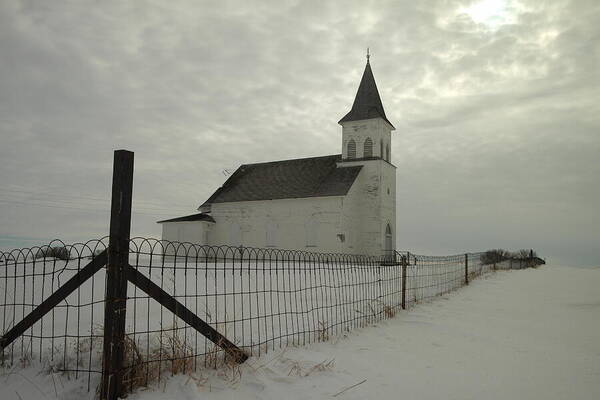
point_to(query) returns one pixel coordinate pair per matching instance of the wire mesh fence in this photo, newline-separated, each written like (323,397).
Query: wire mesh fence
(260,299)
(69,337)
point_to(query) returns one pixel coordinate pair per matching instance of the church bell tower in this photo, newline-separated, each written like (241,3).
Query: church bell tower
(366,141)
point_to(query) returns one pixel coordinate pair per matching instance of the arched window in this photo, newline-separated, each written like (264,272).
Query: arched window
(368,148)
(387,152)
(351,149)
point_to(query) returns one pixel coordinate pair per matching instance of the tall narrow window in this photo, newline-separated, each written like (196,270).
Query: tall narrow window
(387,152)
(351,149)
(368,148)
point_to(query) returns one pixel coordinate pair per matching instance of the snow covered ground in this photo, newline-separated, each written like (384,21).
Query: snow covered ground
(525,334)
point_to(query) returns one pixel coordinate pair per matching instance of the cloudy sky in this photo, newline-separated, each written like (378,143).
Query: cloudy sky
(496,105)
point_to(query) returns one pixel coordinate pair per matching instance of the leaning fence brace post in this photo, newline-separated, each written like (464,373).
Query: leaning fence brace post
(403,262)
(116,278)
(466,268)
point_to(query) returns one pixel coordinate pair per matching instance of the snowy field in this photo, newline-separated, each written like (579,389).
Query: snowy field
(526,334)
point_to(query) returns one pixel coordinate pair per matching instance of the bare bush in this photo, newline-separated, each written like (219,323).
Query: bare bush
(59,252)
(389,311)
(299,370)
(499,255)
(322,331)
(524,254)
(494,256)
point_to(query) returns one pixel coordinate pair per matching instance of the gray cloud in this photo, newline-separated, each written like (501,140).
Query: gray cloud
(497,125)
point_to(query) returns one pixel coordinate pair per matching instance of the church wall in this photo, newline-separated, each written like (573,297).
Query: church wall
(363,216)
(353,216)
(309,224)
(196,232)
(388,201)
(368,207)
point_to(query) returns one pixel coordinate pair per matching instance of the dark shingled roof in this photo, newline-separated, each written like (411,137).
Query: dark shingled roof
(304,177)
(193,217)
(367,103)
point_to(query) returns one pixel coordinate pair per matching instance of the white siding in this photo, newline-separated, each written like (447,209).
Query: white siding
(235,234)
(312,232)
(271,234)
(291,229)
(195,232)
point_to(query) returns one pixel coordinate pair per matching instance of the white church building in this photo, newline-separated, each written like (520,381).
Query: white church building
(340,203)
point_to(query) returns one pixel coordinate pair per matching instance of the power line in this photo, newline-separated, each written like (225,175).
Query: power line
(105,203)
(105,200)
(77,205)
(104,210)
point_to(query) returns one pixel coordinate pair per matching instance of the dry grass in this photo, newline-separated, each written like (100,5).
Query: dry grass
(25,360)
(389,311)
(226,366)
(323,333)
(144,364)
(298,370)
(171,356)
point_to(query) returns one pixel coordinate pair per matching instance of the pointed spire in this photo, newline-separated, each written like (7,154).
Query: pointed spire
(367,103)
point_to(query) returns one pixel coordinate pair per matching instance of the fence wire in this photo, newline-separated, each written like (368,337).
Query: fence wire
(260,299)
(69,337)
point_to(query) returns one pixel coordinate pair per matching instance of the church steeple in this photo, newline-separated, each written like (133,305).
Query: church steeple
(367,103)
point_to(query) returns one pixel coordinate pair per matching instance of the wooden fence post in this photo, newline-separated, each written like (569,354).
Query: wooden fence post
(403,263)
(466,269)
(116,278)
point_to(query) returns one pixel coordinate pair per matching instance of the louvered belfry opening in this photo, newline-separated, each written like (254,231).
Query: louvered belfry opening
(368,148)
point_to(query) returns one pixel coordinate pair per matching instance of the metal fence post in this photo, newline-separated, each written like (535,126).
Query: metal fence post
(466,269)
(403,262)
(116,278)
